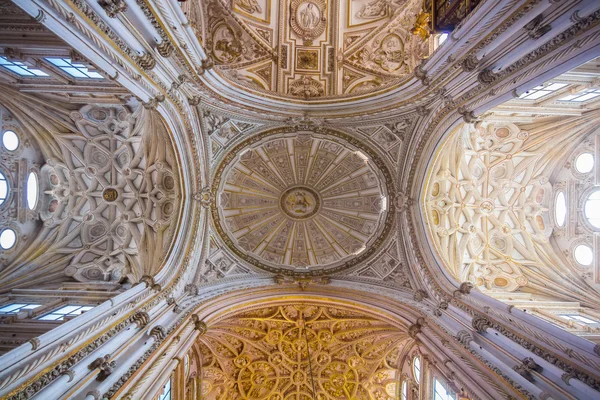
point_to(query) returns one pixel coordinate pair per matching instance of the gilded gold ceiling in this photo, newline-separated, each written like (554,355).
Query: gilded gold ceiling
(311,49)
(302,202)
(301,351)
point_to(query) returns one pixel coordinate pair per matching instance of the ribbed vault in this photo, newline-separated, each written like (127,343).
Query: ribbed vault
(301,350)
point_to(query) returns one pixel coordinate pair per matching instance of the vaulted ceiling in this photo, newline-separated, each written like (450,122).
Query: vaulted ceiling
(301,350)
(311,50)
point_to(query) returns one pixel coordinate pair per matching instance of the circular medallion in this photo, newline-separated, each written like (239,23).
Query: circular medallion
(302,202)
(110,194)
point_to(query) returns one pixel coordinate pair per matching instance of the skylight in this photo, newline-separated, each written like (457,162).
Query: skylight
(61,313)
(14,308)
(541,91)
(580,319)
(582,96)
(20,68)
(76,70)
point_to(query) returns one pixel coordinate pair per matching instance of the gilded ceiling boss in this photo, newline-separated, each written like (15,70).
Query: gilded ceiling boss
(299,199)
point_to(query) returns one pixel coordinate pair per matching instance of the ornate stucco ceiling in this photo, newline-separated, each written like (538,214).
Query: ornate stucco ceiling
(489,202)
(109,192)
(302,202)
(311,49)
(301,351)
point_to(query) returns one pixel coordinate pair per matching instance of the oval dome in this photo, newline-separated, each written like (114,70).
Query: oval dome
(302,202)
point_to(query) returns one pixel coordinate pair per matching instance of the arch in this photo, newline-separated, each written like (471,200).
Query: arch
(403,317)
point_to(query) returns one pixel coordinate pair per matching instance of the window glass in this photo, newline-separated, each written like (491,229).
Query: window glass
(417,369)
(17,307)
(541,91)
(581,319)
(74,69)
(584,95)
(10,140)
(166,392)
(584,163)
(404,390)
(592,209)
(583,254)
(61,313)
(442,392)
(3,188)
(442,38)
(21,69)
(8,238)
(32,190)
(560,210)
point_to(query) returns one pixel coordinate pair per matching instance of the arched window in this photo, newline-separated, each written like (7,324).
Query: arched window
(417,369)
(10,140)
(8,238)
(186,365)
(3,188)
(404,393)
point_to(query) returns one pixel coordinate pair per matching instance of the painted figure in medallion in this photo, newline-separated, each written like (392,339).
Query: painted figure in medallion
(372,10)
(250,6)
(309,15)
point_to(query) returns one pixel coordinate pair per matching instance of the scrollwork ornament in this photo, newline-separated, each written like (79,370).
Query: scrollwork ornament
(416,328)
(141,318)
(35,343)
(470,63)
(464,289)
(480,323)
(205,197)
(165,49)
(113,7)
(199,325)
(464,337)
(420,295)
(158,332)
(146,61)
(421,75)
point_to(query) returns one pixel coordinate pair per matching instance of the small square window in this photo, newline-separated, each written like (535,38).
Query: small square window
(76,70)
(541,91)
(61,313)
(20,68)
(582,96)
(15,308)
(580,319)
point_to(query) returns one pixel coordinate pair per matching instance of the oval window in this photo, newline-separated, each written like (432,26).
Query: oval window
(584,163)
(32,190)
(560,209)
(8,237)
(3,188)
(583,254)
(592,209)
(417,369)
(10,140)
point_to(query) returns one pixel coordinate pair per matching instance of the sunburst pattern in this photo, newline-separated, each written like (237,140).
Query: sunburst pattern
(302,201)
